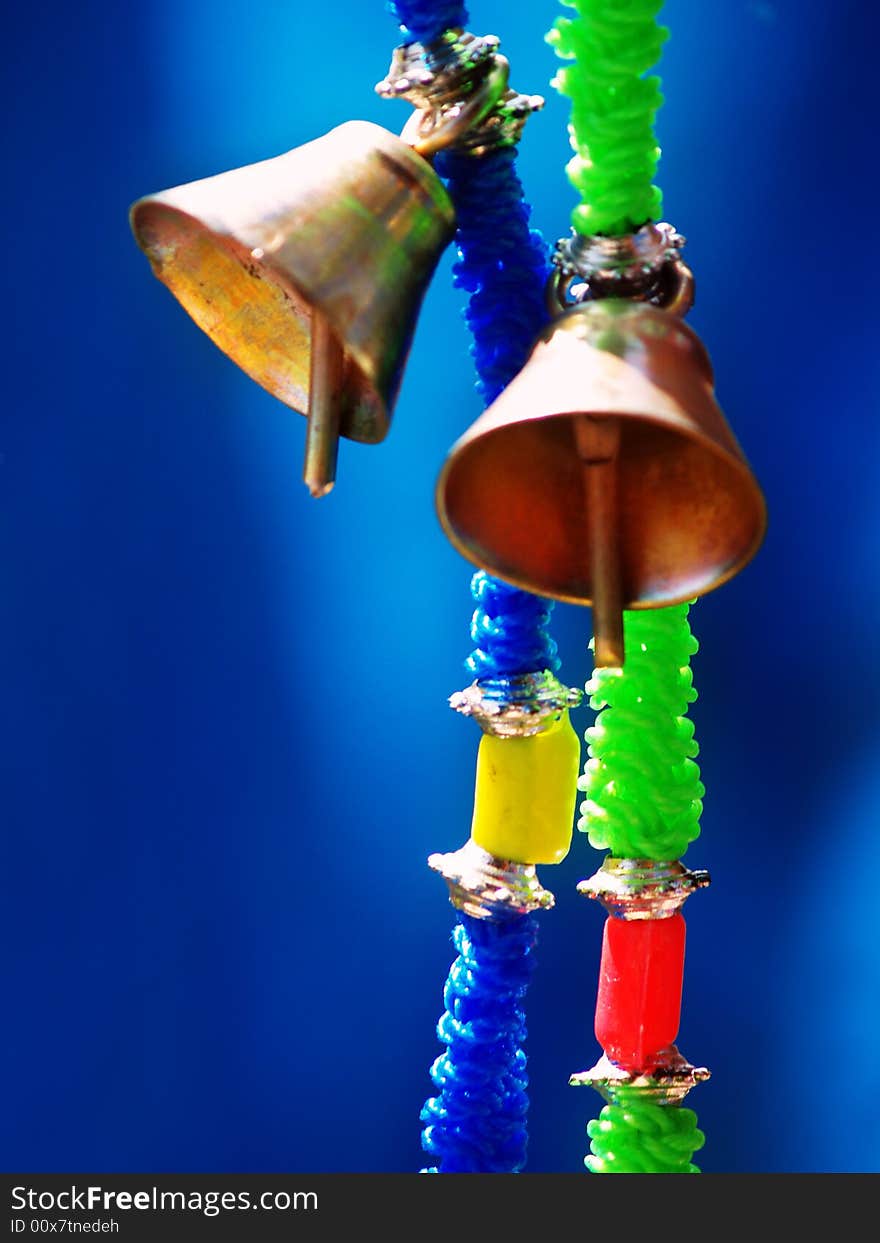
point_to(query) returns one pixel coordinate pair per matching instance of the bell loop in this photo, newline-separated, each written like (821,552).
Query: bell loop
(459,87)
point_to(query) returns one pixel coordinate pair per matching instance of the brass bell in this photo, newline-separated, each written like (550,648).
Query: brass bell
(308,270)
(605,473)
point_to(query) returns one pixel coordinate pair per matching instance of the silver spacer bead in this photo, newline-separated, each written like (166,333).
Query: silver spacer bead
(432,74)
(643,888)
(516,707)
(667,1084)
(441,77)
(490,888)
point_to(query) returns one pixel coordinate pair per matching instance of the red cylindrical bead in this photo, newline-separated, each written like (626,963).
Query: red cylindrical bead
(640,979)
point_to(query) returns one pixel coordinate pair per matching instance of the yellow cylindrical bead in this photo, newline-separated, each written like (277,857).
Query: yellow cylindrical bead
(525,794)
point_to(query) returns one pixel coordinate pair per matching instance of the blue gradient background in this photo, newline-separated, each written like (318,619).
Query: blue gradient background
(227,752)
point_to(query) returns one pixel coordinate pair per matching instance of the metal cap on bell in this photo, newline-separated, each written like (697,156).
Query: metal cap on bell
(605,473)
(308,270)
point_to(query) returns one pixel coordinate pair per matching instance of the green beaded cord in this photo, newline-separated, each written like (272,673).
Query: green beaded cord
(644,800)
(612,43)
(643,788)
(636,1136)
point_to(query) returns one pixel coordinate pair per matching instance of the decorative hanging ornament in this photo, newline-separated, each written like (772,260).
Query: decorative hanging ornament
(673,511)
(604,474)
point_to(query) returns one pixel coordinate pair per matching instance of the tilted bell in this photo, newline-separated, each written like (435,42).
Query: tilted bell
(308,270)
(605,473)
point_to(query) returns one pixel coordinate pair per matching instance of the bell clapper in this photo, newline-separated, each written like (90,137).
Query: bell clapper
(598,444)
(327,367)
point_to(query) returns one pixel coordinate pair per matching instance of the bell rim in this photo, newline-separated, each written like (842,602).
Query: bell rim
(739,463)
(237,251)
(586,602)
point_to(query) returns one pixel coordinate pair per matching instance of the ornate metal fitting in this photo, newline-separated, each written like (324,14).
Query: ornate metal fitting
(642,888)
(667,1084)
(490,888)
(516,707)
(459,87)
(644,266)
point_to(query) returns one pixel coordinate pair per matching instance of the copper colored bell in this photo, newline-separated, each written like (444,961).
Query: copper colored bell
(605,473)
(308,270)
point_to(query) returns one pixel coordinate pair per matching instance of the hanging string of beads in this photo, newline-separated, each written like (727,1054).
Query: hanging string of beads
(602,473)
(643,793)
(477,1120)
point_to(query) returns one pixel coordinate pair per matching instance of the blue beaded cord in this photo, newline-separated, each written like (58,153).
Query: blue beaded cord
(509,627)
(502,263)
(425,20)
(477,1123)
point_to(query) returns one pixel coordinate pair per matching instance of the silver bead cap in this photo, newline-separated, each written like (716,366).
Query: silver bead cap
(631,257)
(643,888)
(435,74)
(516,707)
(442,79)
(668,1083)
(486,887)
(643,266)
